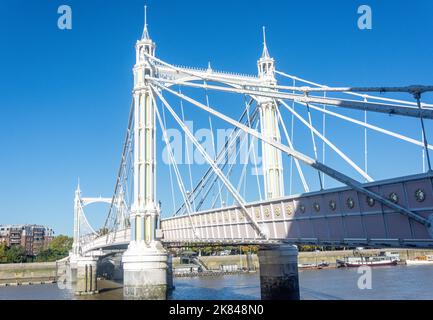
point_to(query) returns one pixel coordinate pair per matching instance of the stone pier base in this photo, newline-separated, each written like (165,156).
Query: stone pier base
(279,272)
(145,272)
(170,285)
(86,276)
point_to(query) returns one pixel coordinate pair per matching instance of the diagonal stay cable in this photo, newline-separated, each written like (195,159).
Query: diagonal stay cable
(352,183)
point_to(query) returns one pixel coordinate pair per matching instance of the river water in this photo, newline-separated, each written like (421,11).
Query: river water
(395,282)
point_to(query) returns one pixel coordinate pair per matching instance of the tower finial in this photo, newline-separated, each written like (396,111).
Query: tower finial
(145,16)
(265,53)
(145,35)
(78,186)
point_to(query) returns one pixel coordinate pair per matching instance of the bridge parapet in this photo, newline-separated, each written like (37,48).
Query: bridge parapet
(339,216)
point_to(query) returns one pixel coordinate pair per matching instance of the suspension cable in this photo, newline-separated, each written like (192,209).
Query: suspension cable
(247,106)
(417,96)
(188,159)
(169,167)
(310,121)
(217,170)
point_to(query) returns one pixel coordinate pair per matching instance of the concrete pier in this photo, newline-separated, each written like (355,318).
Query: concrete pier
(86,276)
(170,285)
(279,272)
(145,272)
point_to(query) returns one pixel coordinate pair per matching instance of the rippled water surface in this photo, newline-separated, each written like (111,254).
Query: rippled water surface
(396,282)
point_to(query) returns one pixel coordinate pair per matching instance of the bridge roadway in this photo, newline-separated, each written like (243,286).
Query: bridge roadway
(339,216)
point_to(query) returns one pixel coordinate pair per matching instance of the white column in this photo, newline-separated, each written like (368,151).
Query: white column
(271,157)
(145,261)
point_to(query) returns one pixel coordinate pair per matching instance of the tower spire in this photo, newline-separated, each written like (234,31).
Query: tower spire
(145,35)
(78,186)
(265,53)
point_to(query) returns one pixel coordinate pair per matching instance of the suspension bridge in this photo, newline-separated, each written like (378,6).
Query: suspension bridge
(361,211)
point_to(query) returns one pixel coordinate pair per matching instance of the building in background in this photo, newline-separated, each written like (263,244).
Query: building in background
(33,238)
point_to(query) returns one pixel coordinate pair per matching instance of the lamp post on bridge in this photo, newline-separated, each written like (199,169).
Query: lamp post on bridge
(145,261)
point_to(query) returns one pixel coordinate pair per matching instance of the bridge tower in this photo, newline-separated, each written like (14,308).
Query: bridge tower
(278,263)
(145,261)
(271,157)
(77,203)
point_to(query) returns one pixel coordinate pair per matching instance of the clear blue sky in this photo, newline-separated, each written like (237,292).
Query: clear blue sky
(65,95)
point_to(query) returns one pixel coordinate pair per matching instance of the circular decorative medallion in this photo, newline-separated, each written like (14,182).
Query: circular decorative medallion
(393,197)
(316,206)
(289,210)
(332,205)
(257,213)
(420,195)
(370,201)
(267,212)
(350,203)
(277,211)
(302,208)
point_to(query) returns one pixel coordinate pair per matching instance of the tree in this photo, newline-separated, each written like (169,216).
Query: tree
(57,249)
(61,245)
(3,251)
(16,254)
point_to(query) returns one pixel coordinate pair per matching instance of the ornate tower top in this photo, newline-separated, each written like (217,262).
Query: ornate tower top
(145,35)
(78,190)
(145,44)
(266,64)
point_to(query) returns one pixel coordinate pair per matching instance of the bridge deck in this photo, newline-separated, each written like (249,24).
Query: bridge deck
(338,216)
(333,217)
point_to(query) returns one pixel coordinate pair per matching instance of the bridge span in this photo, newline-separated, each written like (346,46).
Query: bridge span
(377,213)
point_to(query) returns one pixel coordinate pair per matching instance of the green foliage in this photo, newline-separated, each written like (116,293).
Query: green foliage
(3,251)
(16,254)
(61,244)
(57,249)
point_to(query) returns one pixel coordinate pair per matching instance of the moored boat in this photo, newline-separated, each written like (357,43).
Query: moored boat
(384,259)
(421,260)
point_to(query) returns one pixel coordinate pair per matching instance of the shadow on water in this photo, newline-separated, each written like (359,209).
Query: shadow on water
(187,291)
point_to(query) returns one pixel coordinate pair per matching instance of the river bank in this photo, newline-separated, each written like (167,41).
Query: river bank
(215,262)
(15,274)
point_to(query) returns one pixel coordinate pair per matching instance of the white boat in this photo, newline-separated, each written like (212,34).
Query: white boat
(422,260)
(383,259)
